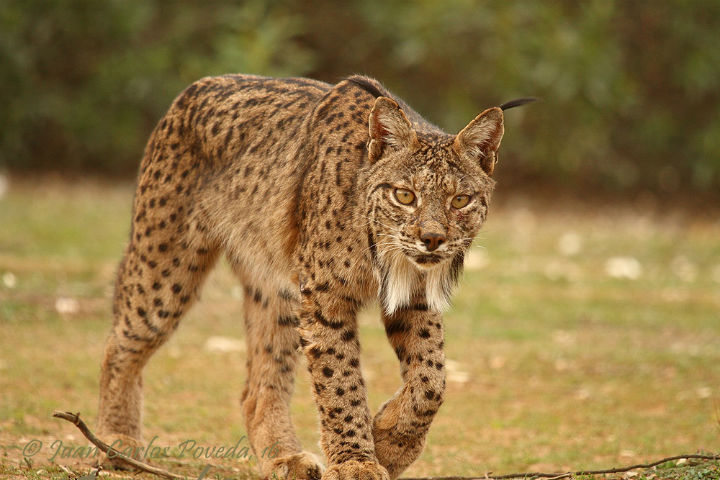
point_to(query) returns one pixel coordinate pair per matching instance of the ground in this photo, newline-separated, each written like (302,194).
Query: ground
(582,336)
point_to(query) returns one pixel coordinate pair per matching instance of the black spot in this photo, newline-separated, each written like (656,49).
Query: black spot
(335,325)
(424,333)
(327,371)
(398,326)
(287,320)
(285,294)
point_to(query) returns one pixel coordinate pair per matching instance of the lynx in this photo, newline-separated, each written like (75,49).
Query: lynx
(322,198)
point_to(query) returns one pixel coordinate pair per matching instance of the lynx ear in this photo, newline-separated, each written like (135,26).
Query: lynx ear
(389,128)
(480,140)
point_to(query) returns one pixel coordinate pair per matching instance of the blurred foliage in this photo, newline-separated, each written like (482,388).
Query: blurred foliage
(630,90)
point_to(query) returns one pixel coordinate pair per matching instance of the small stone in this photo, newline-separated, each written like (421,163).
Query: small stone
(65,305)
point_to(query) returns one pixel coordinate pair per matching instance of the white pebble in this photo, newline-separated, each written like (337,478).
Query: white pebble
(224,345)
(66,305)
(569,244)
(9,279)
(623,267)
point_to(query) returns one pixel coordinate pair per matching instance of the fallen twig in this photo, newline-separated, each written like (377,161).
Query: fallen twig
(74,418)
(68,471)
(558,475)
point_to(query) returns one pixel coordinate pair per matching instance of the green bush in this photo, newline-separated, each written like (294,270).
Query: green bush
(629,89)
(83,82)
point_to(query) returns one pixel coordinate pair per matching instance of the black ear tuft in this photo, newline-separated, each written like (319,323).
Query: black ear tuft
(518,102)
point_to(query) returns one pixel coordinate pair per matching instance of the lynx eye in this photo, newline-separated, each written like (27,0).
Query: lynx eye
(459,201)
(404,196)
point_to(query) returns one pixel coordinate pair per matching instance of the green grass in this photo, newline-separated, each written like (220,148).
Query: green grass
(556,365)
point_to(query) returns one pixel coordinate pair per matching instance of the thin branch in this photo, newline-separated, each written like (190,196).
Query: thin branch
(557,475)
(74,418)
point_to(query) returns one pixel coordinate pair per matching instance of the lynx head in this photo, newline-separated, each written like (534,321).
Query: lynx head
(427,197)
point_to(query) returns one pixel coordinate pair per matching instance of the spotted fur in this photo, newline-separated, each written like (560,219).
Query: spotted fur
(295,182)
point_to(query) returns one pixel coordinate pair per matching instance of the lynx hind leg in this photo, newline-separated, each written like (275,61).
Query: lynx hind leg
(157,282)
(273,344)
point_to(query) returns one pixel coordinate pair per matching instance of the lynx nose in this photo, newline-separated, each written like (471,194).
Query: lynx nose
(432,240)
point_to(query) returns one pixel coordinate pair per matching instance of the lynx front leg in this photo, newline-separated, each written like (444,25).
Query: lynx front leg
(329,330)
(399,428)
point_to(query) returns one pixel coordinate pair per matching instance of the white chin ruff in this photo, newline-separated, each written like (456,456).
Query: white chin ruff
(400,278)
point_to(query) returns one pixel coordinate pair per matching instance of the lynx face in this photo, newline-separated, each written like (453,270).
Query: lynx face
(428,197)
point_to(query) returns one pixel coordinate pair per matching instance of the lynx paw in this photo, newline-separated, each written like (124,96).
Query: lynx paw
(396,452)
(299,466)
(395,448)
(354,470)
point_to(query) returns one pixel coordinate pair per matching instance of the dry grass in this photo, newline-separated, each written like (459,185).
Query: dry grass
(580,338)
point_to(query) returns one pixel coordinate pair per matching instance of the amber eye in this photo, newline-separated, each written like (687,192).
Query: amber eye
(459,201)
(404,196)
